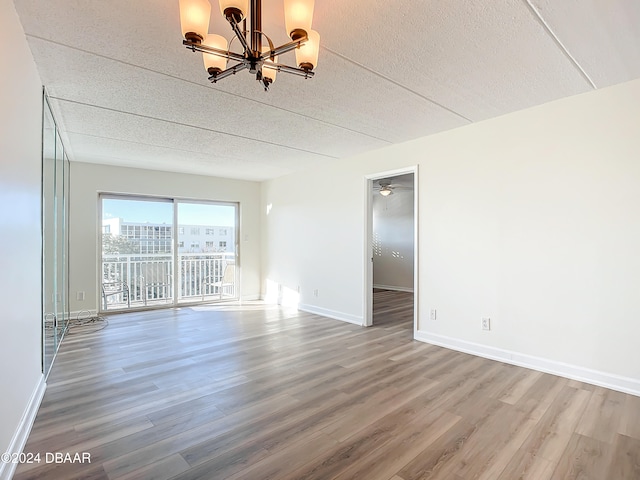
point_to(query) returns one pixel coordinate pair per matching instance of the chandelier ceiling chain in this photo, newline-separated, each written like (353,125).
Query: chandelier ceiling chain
(258,59)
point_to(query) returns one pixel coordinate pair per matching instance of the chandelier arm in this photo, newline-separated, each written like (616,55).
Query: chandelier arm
(287,69)
(287,47)
(268,54)
(198,47)
(239,34)
(270,42)
(228,72)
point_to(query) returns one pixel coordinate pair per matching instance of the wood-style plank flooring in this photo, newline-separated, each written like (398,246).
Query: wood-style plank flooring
(260,392)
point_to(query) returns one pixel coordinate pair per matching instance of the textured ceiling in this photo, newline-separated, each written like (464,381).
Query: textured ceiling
(126,92)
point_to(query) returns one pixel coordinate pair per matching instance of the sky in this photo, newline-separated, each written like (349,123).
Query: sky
(162,212)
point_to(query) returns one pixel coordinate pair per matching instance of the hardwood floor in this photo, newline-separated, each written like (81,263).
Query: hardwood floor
(393,308)
(260,393)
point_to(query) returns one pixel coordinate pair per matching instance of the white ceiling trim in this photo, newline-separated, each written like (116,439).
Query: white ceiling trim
(398,84)
(188,125)
(557,40)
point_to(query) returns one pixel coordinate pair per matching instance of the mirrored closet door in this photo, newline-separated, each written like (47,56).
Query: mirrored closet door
(55,205)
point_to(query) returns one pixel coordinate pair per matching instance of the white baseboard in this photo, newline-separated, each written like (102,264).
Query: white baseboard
(574,372)
(393,287)
(325,312)
(19,439)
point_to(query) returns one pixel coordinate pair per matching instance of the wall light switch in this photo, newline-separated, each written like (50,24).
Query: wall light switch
(486,323)
(432,314)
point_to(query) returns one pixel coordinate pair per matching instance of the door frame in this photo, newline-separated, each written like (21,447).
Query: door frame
(368,235)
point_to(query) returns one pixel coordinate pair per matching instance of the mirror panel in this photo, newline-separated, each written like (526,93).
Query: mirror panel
(49,324)
(55,245)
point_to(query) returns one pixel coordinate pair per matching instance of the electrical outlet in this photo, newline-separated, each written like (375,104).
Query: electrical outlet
(315,293)
(432,314)
(486,323)
(80,296)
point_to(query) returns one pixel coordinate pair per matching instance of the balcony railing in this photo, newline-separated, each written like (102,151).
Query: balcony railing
(147,279)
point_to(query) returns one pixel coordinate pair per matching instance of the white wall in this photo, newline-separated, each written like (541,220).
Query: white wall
(531,219)
(393,240)
(20,282)
(87,180)
(313,240)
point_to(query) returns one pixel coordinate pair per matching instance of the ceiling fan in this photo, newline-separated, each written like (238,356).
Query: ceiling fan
(386,188)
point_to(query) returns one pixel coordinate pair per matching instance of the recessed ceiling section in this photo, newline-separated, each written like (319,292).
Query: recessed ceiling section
(116,85)
(479,59)
(153,157)
(135,137)
(363,97)
(127,92)
(119,87)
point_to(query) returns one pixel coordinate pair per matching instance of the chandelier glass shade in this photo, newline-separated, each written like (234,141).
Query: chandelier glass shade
(213,63)
(194,19)
(241,5)
(297,16)
(256,57)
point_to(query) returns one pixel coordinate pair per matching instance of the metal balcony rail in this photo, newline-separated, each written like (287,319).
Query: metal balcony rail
(150,277)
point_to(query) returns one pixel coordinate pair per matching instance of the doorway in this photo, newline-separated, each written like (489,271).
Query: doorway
(392,254)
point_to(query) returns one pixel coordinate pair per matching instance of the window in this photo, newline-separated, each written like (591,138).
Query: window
(181,244)
(210,231)
(223,231)
(195,231)
(222,244)
(181,230)
(210,244)
(195,244)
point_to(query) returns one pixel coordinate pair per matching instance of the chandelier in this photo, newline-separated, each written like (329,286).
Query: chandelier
(260,58)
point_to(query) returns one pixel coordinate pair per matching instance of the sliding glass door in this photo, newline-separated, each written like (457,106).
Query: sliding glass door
(161,252)
(137,252)
(206,251)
